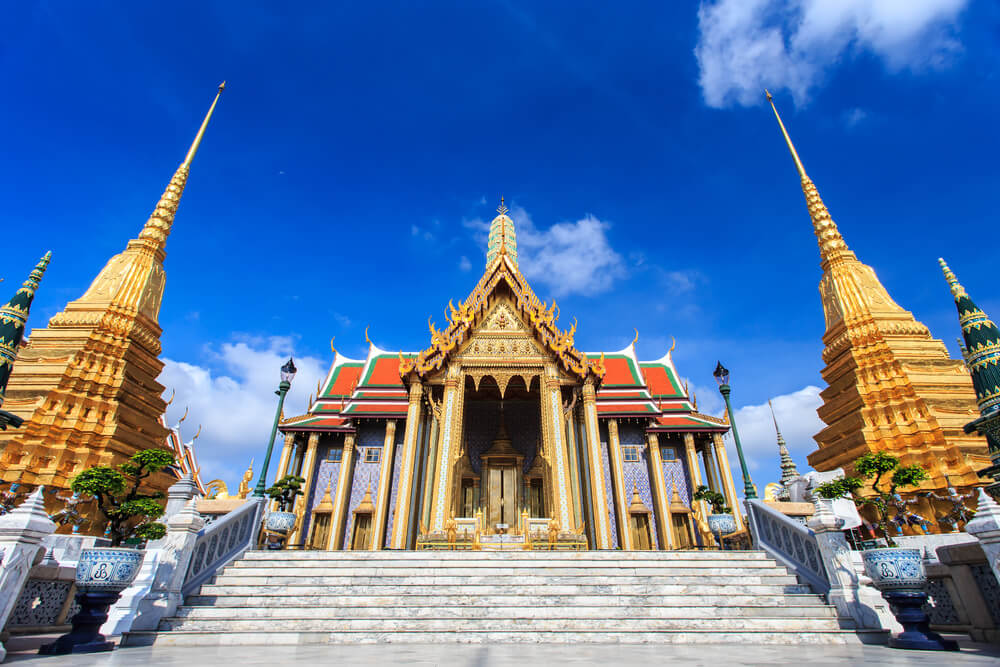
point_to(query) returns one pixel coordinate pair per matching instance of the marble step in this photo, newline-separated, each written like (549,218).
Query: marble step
(685,636)
(437,556)
(499,612)
(457,600)
(703,587)
(472,565)
(511,623)
(431,579)
(483,571)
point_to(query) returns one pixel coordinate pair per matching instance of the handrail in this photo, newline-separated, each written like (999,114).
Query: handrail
(222,541)
(789,542)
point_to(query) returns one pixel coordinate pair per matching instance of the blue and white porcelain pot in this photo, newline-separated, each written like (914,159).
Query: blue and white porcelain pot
(280,522)
(721,524)
(895,569)
(110,569)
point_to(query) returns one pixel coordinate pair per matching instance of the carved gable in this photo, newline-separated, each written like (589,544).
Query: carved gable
(502,338)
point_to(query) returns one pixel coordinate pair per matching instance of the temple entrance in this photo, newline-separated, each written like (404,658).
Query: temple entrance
(501,495)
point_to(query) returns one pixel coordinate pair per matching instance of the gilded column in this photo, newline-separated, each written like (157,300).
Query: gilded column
(430,473)
(569,422)
(343,493)
(552,432)
(710,469)
(286,457)
(407,467)
(384,486)
(599,497)
(659,492)
(618,482)
(307,471)
(727,479)
(695,471)
(450,444)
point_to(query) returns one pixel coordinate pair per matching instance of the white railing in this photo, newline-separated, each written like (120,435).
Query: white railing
(788,542)
(223,541)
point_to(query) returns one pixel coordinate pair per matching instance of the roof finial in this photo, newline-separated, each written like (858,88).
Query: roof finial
(831,243)
(956,288)
(501,209)
(788,139)
(201,130)
(157,228)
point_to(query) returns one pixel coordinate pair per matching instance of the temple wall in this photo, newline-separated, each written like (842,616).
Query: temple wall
(610,499)
(636,473)
(326,472)
(396,461)
(370,434)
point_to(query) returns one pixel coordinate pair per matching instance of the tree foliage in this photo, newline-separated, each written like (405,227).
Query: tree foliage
(116,491)
(713,498)
(285,490)
(875,467)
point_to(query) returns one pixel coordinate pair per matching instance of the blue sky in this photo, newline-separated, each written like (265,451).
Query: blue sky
(358,149)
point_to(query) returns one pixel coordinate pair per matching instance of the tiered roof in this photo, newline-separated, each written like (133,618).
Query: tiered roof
(375,387)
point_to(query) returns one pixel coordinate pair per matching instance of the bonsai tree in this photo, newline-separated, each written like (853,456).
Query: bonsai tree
(713,498)
(875,467)
(129,512)
(285,490)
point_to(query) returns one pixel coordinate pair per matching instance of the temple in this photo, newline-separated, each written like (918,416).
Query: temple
(501,430)
(891,387)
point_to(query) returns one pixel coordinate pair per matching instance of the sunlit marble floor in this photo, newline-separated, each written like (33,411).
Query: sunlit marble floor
(518,656)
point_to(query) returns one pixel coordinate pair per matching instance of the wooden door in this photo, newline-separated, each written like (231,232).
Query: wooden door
(682,532)
(321,531)
(640,532)
(362,531)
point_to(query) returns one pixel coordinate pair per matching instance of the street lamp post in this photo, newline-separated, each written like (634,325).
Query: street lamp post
(721,375)
(287,373)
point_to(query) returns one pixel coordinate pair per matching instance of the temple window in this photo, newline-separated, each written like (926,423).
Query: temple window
(630,454)
(335,454)
(373,454)
(668,453)
(536,499)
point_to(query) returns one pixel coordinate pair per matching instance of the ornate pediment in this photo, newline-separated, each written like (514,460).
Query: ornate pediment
(489,314)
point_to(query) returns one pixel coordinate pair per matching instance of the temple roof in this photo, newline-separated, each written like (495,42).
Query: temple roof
(375,388)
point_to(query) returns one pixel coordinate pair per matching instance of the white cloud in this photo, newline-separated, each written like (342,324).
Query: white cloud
(797,418)
(235,406)
(747,45)
(464,264)
(854,117)
(568,257)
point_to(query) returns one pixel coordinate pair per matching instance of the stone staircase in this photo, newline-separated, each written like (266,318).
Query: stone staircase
(336,597)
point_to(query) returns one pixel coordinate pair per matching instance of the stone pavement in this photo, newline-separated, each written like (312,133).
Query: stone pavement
(517,655)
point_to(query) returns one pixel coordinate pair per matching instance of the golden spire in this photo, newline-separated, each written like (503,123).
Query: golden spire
(157,228)
(831,243)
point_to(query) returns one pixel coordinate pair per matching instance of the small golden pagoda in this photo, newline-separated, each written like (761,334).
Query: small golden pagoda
(891,387)
(85,385)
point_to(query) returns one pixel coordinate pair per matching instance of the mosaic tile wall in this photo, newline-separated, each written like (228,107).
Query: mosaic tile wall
(636,473)
(370,434)
(396,459)
(326,472)
(610,499)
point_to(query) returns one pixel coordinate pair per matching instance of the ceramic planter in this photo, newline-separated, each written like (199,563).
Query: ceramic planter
(107,569)
(280,522)
(721,524)
(895,569)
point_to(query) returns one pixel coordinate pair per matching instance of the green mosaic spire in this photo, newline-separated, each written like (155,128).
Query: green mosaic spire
(982,345)
(13,317)
(502,241)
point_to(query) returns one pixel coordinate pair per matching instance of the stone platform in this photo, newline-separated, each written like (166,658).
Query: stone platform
(330,597)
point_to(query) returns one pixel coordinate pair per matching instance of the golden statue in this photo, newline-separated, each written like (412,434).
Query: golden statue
(245,482)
